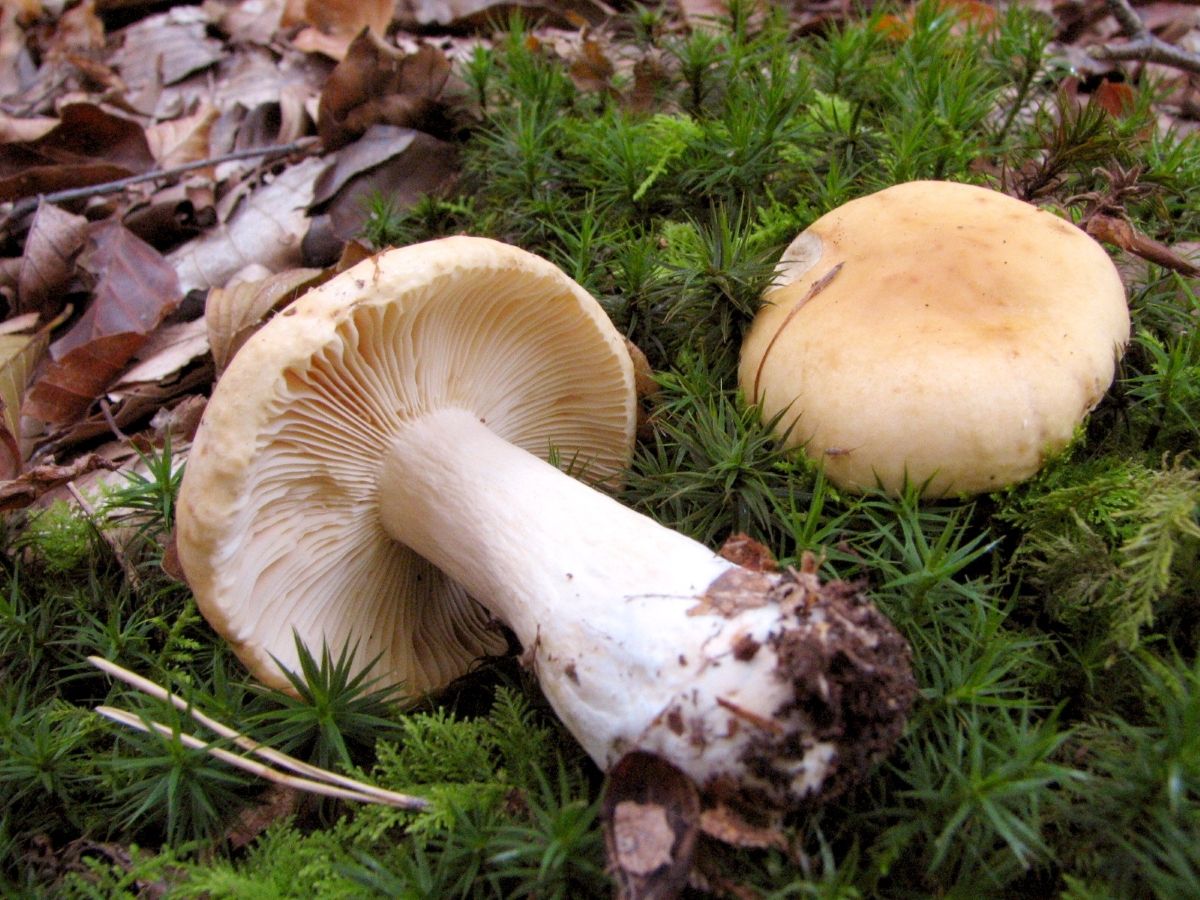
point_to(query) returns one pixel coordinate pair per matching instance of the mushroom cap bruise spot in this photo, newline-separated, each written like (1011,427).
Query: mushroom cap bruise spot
(962,340)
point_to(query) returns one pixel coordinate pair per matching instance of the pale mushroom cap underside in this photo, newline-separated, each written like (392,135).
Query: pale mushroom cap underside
(279,529)
(936,333)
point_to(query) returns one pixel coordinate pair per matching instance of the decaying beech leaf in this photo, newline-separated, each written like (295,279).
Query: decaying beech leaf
(651,817)
(336,23)
(19,356)
(47,263)
(167,351)
(164,49)
(134,288)
(26,488)
(729,827)
(591,69)
(266,229)
(748,553)
(1120,233)
(400,164)
(88,146)
(175,142)
(461,14)
(376,83)
(232,314)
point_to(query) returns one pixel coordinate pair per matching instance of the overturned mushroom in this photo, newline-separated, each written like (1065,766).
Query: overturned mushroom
(374,458)
(936,333)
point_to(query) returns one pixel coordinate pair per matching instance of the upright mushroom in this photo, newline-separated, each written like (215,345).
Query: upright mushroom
(936,333)
(373,462)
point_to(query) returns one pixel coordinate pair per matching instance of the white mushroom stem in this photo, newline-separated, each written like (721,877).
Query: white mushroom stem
(641,637)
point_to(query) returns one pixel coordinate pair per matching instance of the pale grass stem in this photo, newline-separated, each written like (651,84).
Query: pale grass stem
(308,777)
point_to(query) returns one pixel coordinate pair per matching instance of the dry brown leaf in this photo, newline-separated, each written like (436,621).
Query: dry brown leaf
(232,314)
(277,802)
(174,214)
(165,354)
(725,825)
(250,21)
(88,146)
(134,289)
(78,31)
(266,229)
(26,488)
(591,69)
(460,14)
(398,163)
(1120,233)
(651,814)
(748,553)
(377,84)
(162,50)
(144,401)
(182,140)
(180,421)
(14,130)
(1117,98)
(336,23)
(72,382)
(48,261)
(19,356)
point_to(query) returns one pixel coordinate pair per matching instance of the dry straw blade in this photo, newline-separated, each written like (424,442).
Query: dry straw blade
(307,777)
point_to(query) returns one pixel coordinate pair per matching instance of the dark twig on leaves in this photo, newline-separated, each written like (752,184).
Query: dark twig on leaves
(28,204)
(1143,46)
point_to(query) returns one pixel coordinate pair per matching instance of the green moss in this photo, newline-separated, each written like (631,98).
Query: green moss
(60,537)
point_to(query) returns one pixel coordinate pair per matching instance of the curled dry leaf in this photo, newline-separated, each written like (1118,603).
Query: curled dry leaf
(29,486)
(400,164)
(179,422)
(162,50)
(14,130)
(19,356)
(232,314)
(651,817)
(336,23)
(266,229)
(1120,233)
(729,827)
(748,553)
(176,142)
(88,146)
(250,21)
(134,289)
(48,261)
(376,83)
(591,69)
(165,354)
(461,14)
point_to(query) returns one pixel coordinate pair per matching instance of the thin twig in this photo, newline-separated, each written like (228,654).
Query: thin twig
(369,792)
(1143,46)
(29,204)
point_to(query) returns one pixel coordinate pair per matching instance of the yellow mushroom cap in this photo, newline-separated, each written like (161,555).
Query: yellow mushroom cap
(941,334)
